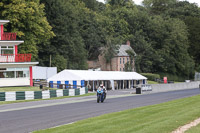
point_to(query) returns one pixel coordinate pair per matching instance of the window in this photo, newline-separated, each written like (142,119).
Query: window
(7,50)
(123,60)
(14,73)
(120,62)
(123,69)
(19,74)
(120,69)
(7,74)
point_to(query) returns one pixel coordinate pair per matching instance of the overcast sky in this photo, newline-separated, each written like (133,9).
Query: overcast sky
(139,1)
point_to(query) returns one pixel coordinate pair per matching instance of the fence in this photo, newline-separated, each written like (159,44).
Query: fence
(15,57)
(56,85)
(146,87)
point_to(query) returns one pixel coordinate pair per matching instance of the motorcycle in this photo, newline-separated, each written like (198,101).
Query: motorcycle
(100,96)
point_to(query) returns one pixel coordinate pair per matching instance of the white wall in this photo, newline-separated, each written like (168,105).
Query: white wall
(14,82)
(175,86)
(43,72)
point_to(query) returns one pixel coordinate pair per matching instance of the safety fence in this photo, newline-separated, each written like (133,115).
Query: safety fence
(30,95)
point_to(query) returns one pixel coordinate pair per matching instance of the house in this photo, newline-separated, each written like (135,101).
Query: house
(15,68)
(117,62)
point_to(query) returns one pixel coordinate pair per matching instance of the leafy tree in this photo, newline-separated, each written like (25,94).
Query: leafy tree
(158,6)
(27,19)
(110,50)
(129,66)
(65,18)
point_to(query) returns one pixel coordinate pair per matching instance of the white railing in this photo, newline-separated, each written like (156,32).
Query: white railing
(146,87)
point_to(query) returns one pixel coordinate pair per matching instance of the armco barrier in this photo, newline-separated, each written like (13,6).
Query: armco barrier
(2,96)
(175,86)
(29,95)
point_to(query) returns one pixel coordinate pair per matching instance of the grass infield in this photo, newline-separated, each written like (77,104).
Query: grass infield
(152,82)
(160,118)
(7,89)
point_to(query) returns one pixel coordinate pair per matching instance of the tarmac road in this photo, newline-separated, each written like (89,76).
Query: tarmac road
(17,118)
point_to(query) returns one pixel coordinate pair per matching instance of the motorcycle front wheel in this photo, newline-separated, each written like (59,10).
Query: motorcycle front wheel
(98,98)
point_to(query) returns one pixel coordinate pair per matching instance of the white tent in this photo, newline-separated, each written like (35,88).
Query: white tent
(95,75)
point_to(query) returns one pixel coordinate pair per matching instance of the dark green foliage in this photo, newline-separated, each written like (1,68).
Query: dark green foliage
(27,19)
(67,46)
(165,34)
(129,66)
(151,76)
(173,77)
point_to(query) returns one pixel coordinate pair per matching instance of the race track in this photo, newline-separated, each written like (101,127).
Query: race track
(22,120)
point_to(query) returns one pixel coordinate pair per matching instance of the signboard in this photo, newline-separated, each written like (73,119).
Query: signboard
(165,80)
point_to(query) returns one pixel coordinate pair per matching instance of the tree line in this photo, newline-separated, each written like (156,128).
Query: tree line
(165,34)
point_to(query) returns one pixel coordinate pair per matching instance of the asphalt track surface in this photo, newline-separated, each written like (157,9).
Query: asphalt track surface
(36,118)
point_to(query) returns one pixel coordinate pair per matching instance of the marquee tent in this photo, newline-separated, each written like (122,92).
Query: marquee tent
(93,78)
(95,75)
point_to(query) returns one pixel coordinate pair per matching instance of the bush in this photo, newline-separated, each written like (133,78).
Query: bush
(172,77)
(151,76)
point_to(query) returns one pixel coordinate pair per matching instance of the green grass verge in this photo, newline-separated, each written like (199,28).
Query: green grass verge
(160,118)
(194,129)
(152,82)
(20,101)
(7,89)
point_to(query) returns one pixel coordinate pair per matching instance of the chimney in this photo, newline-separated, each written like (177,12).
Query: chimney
(128,43)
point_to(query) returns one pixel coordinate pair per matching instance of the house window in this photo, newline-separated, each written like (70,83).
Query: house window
(120,69)
(123,69)
(120,62)
(7,50)
(123,60)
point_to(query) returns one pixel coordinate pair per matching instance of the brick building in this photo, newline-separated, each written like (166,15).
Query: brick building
(117,63)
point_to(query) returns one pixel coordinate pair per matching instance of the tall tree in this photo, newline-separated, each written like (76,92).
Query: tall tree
(65,18)
(27,19)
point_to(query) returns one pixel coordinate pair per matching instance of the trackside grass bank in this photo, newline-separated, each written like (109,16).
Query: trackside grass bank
(160,118)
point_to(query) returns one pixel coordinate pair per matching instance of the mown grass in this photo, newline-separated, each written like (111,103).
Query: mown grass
(152,82)
(53,98)
(26,88)
(194,129)
(160,118)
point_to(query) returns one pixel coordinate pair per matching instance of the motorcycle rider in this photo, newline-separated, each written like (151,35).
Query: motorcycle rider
(101,87)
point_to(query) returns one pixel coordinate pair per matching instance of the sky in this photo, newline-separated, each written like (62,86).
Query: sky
(139,1)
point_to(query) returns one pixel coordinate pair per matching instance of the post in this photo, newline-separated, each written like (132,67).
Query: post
(50,61)
(132,83)
(16,51)
(93,85)
(31,76)
(123,84)
(2,32)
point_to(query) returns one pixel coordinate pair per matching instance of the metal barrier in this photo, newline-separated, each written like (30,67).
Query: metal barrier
(146,87)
